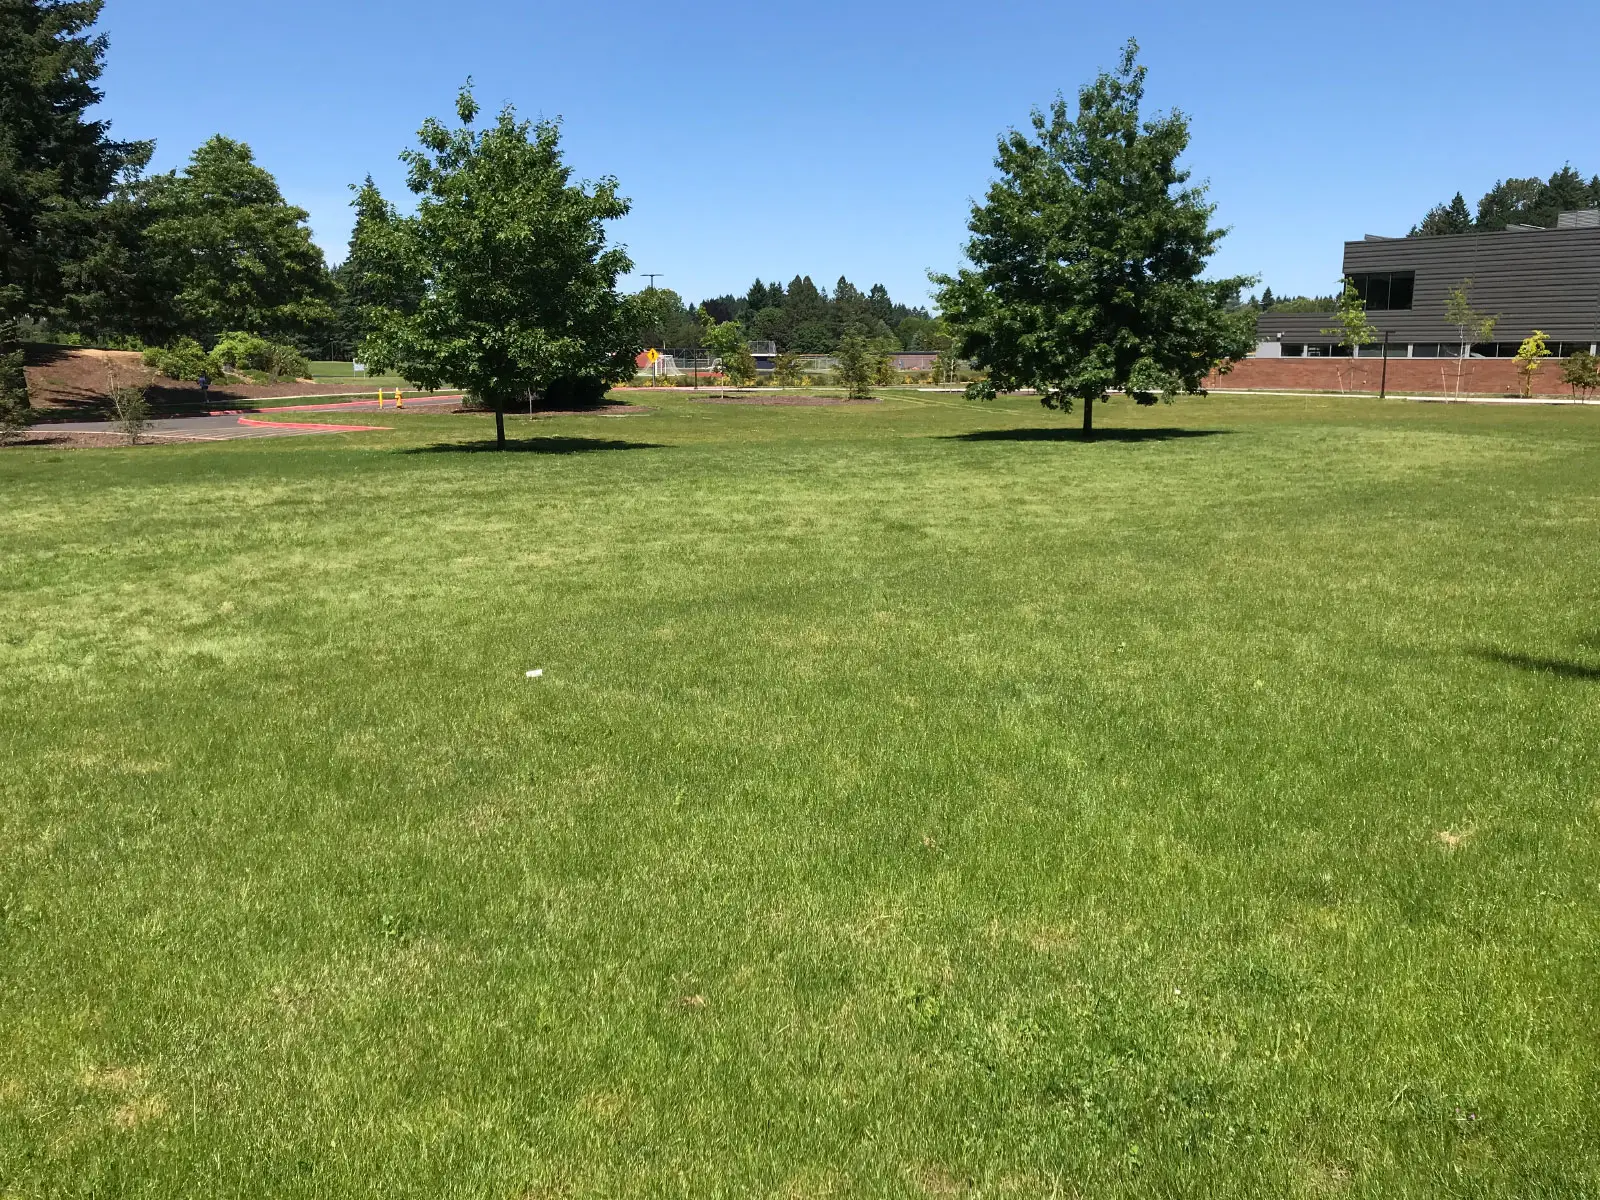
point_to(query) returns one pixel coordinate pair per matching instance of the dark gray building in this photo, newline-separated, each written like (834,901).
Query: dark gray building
(1531,278)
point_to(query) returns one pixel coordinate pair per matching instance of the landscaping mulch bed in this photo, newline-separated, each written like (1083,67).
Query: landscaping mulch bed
(605,410)
(79,439)
(777,401)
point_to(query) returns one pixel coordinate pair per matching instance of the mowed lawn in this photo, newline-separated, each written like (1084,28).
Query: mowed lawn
(913,803)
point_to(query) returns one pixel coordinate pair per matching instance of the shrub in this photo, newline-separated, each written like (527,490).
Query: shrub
(238,351)
(788,370)
(182,359)
(574,391)
(129,406)
(1581,372)
(14,407)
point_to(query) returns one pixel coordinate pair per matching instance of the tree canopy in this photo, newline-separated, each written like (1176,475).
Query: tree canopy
(501,283)
(1529,201)
(228,251)
(800,318)
(56,165)
(1087,258)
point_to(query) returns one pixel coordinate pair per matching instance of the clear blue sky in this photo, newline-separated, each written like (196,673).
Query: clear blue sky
(829,138)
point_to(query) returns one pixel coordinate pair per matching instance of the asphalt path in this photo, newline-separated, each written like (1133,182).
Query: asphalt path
(218,427)
(228,426)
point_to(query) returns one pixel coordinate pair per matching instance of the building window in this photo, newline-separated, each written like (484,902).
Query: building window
(1386,291)
(1293,350)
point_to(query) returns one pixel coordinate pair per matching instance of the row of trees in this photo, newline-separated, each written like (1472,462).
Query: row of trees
(1529,201)
(800,318)
(1087,256)
(92,246)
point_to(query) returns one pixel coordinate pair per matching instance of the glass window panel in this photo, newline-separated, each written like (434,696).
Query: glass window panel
(1424,349)
(1339,351)
(1402,286)
(1293,350)
(1378,293)
(1316,351)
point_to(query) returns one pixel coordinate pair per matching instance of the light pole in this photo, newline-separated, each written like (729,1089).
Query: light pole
(1383,382)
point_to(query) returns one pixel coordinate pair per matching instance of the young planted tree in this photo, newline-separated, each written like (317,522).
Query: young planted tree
(1530,357)
(858,366)
(1581,372)
(787,370)
(1471,325)
(1087,259)
(726,340)
(515,290)
(1353,330)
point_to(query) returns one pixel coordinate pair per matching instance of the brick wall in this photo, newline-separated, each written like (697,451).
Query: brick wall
(1480,376)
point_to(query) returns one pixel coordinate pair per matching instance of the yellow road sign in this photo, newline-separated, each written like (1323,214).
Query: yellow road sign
(652,355)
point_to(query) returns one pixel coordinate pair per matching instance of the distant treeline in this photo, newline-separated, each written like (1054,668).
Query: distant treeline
(802,317)
(1267,302)
(1513,202)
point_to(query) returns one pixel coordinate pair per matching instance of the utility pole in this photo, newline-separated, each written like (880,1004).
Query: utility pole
(1383,383)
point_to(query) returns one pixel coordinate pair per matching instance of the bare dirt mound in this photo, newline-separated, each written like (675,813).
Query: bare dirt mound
(72,384)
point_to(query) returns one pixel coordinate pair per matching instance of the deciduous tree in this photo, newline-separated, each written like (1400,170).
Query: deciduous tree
(1531,354)
(1088,255)
(518,288)
(229,252)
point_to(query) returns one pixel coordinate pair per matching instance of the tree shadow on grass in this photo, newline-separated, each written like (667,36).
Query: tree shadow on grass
(1055,434)
(1561,667)
(535,445)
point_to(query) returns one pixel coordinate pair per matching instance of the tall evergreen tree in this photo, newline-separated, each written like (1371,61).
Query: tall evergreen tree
(1445,219)
(360,282)
(56,165)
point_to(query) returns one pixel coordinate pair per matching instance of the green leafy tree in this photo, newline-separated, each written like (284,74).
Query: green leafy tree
(518,289)
(726,340)
(229,251)
(1471,325)
(56,165)
(1353,329)
(788,370)
(858,367)
(1581,372)
(1531,354)
(1088,254)
(1267,300)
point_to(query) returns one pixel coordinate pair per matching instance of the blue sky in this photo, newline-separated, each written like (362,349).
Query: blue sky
(828,138)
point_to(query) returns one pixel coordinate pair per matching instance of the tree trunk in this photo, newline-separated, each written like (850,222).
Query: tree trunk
(1088,416)
(499,423)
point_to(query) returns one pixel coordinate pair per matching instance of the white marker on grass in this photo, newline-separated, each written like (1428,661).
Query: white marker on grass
(535,673)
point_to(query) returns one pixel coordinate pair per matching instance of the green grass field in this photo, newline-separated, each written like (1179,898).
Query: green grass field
(338,372)
(914,803)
